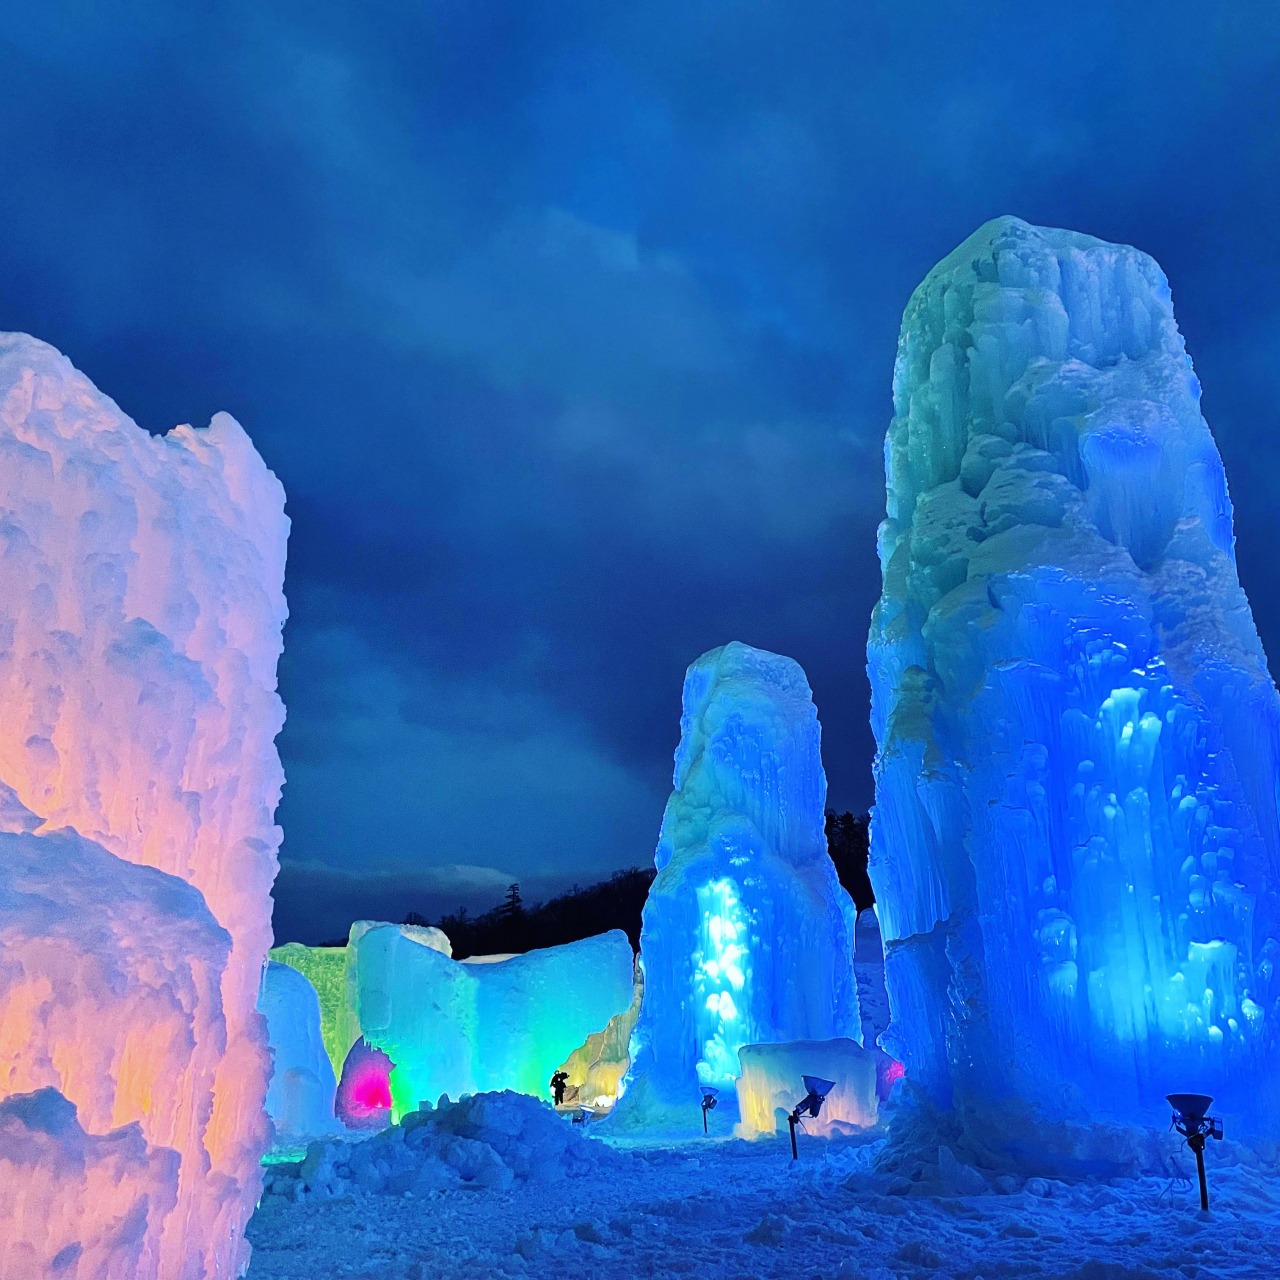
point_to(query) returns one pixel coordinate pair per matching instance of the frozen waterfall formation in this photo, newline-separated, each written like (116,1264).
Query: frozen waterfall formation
(747,934)
(1075,846)
(141,608)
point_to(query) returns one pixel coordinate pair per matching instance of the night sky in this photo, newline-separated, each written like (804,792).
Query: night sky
(569,328)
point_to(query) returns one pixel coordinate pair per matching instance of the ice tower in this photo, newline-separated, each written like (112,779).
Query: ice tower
(747,935)
(1074,846)
(141,608)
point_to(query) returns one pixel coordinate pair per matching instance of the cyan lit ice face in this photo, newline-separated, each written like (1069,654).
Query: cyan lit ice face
(722,976)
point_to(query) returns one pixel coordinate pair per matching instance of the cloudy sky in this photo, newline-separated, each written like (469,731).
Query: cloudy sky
(569,327)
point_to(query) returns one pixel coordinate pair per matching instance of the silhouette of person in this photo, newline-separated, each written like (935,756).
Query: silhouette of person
(558,1082)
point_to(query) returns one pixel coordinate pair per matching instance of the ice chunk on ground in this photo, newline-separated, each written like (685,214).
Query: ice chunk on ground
(141,584)
(747,934)
(1075,844)
(453,1028)
(300,1096)
(772,1083)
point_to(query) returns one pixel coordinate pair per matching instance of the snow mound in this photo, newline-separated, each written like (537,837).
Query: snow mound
(487,1141)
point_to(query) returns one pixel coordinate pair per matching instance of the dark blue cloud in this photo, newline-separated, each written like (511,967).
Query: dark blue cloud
(569,328)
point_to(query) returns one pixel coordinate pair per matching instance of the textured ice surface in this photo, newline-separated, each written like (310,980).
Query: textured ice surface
(141,609)
(771,1084)
(330,972)
(596,1069)
(1074,847)
(747,934)
(454,1028)
(301,1093)
(74,1203)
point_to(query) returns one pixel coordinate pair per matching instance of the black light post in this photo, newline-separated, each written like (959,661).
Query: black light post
(1190,1120)
(708,1103)
(810,1104)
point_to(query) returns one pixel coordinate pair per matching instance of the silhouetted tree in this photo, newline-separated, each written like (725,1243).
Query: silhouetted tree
(849,846)
(415,918)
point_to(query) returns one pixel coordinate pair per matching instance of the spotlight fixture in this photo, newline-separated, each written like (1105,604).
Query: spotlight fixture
(708,1103)
(809,1105)
(1190,1120)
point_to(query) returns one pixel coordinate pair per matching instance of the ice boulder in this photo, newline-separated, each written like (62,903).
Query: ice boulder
(1075,846)
(771,1083)
(748,936)
(300,1096)
(453,1028)
(141,608)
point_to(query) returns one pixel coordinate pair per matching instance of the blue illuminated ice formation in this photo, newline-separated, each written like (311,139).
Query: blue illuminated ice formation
(747,935)
(301,1092)
(1075,845)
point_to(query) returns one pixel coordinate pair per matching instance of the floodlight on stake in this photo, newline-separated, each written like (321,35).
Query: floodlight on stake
(1190,1120)
(708,1103)
(810,1105)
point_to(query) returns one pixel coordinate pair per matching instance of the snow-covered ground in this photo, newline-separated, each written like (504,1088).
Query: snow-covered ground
(732,1210)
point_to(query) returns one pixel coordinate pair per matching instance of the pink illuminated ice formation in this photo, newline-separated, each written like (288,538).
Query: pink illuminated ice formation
(364,1092)
(141,608)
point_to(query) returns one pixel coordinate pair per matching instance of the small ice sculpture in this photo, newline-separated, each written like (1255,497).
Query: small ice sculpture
(771,1083)
(454,1028)
(300,1095)
(364,1088)
(1075,847)
(747,935)
(141,608)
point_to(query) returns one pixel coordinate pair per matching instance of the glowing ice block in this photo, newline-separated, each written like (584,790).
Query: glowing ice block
(141,608)
(454,1028)
(301,1092)
(747,934)
(771,1083)
(1075,848)
(329,970)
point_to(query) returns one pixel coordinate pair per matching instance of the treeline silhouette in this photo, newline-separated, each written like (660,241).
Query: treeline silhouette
(616,903)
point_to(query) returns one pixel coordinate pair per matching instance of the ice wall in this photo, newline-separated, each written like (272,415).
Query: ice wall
(747,934)
(141,609)
(1074,846)
(330,972)
(453,1028)
(300,1095)
(596,1069)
